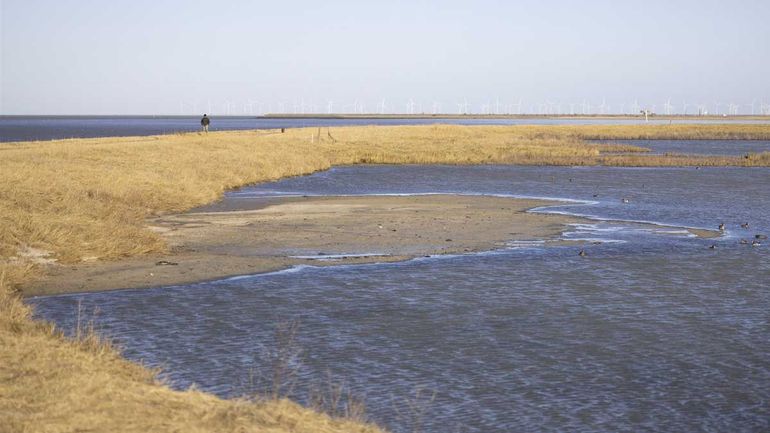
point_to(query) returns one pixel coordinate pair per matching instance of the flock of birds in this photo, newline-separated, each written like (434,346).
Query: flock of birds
(754,243)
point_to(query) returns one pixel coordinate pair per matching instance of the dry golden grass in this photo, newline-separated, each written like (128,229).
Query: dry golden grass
(74,200)
(656,132)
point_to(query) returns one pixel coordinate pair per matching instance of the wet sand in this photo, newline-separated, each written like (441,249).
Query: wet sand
(235,237)
(228,238)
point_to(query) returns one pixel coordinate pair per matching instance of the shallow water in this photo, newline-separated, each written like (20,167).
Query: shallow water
(651,331)
(25,128)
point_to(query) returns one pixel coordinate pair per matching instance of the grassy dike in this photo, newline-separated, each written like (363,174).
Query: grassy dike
(87,199)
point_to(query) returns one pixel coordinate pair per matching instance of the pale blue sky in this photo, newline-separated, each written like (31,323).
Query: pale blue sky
(167,57)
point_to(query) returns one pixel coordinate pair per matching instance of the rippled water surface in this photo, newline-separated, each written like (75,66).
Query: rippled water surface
(652,331)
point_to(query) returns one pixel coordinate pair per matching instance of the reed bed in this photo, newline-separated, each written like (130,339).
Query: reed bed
(86,199)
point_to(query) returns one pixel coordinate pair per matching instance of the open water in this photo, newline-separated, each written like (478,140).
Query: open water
(652,331)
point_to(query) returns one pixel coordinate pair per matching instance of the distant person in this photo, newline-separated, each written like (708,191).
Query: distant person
(205,123)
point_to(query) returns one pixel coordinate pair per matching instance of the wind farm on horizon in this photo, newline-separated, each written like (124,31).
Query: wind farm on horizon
(463,108)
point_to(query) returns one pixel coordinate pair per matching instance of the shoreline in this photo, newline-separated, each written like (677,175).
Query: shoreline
(227,239)
(224,239)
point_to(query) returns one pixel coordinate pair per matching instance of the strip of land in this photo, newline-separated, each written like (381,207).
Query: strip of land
(87,202)
(639,117)
(313,230)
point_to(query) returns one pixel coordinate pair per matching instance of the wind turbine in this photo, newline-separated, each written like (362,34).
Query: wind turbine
(228,106)
(436,107)
(635,108)
(248,107)
(716,108)
(668,107)
(764,108)
(486,108)
(382,106)
(191,105)
(603,107)
(330,107)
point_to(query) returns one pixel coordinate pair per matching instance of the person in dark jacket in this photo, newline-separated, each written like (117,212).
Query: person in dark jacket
(205,123)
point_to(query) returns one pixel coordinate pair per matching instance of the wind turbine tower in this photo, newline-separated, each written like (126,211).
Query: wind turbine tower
(668,107)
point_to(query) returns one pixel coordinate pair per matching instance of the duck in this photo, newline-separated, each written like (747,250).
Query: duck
(713,247)
(721,227)
(744,241)
(624,200)
(755,243)
(582,253)
(760,237)
(745,225)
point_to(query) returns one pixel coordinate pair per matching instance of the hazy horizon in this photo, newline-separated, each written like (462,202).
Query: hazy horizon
(241,57)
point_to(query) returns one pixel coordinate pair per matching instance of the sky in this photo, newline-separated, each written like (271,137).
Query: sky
(251,57)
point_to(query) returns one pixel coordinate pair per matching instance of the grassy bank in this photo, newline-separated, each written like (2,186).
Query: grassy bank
(87,199)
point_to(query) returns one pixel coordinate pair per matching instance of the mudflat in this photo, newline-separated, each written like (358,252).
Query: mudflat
(228,238)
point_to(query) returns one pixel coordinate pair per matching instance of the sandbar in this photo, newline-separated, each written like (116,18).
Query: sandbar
(231,238)
(240,237)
